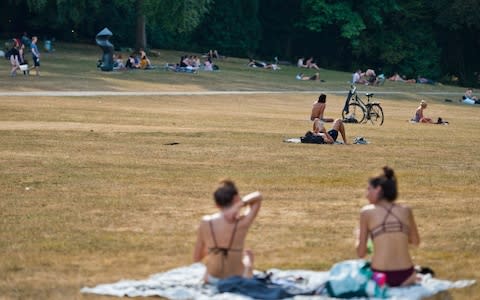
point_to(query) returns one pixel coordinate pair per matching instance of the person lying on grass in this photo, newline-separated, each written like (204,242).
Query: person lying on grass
(221,236)
(391,227)
(329,137)
(314,77)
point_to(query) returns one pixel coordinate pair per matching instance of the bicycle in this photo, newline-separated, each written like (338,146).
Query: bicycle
(358,111)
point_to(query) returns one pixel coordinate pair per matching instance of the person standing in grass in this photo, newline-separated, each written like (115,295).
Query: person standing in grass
(391,227)
(35,55)
(221,236)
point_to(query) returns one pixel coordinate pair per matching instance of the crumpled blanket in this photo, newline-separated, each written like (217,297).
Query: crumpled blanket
(186,283)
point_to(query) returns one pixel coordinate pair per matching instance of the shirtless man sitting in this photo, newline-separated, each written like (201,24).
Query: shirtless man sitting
(221,236)
(318,109)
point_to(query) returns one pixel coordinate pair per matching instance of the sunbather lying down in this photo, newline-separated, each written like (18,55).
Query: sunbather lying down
(314,77)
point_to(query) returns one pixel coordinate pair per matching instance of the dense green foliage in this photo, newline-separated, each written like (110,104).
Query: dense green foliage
(437,39)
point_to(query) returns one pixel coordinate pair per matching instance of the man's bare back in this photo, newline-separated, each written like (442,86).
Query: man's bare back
(317,111)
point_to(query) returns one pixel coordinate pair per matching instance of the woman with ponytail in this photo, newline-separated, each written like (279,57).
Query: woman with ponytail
(391,227)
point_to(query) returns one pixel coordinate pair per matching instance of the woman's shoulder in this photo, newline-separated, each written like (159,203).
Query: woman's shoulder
(368,208)
(403,207)
(212,217)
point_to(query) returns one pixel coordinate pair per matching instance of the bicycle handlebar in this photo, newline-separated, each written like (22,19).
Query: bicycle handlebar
(353,89)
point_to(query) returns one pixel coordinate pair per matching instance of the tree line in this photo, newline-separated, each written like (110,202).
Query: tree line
(437,39)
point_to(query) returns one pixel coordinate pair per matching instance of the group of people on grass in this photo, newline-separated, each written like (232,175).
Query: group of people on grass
(138,60)
(369,77)
(385,226)
(419,116)
(308,64)
(319,120)
(16,55)
(192,63)
(388,226)
(187,63)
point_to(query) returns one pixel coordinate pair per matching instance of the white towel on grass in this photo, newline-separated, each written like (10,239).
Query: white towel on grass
(186,283)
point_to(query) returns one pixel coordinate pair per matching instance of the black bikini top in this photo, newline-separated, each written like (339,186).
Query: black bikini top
(389,227)
(222,250)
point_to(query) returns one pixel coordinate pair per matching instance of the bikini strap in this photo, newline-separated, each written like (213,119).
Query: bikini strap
(213,233)
(233,235)
(217,249)
(389,212)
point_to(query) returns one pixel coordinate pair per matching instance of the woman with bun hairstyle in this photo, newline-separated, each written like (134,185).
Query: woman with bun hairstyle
(391,227)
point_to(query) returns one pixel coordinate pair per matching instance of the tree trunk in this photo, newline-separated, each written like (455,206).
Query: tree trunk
(141,35)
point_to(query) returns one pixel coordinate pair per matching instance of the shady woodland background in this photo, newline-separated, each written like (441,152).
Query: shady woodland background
(436,39)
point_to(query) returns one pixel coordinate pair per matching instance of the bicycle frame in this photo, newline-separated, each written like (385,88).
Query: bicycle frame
(356,99)
(369,111)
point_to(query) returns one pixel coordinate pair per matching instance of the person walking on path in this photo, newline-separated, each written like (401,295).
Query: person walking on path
(35,55)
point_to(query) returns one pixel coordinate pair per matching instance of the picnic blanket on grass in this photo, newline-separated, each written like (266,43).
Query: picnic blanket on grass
(186,283)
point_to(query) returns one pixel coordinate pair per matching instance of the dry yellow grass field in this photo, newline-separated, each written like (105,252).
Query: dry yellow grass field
(92,192)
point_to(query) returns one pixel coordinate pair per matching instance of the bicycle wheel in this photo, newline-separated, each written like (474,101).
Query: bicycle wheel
(356,113)
(375,114)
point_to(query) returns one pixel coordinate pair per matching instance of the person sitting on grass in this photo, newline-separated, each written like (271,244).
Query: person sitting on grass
(468,98)
(310,64)
(208,65)
(300,63)
(329,137)
(221,236)
(118,62)
(370,77)
(132,62)
(145,62)
(391,227)
(318,108)
(359,78)
(419,117)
